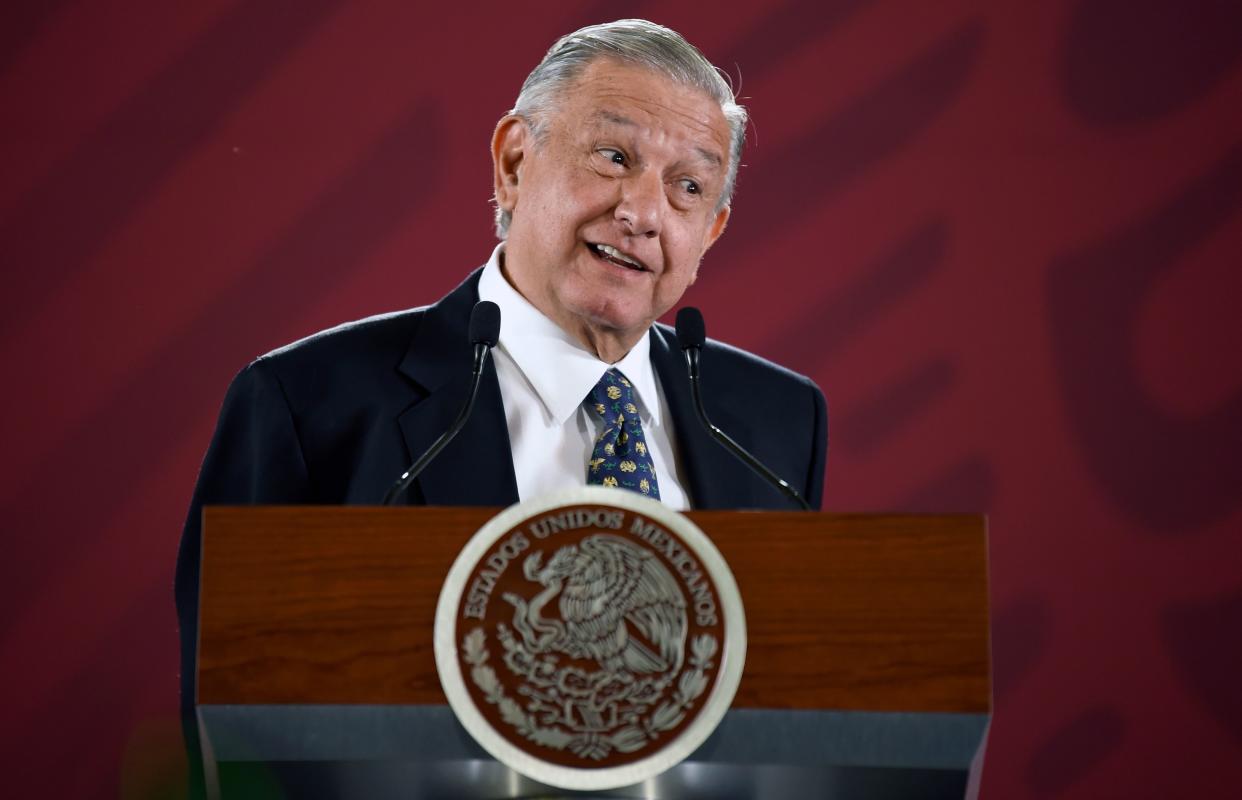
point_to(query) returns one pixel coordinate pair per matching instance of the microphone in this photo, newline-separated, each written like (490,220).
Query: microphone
(691,334)
(484,333)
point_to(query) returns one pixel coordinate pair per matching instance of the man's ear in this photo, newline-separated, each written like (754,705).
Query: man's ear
(714,230)
(717,227)
(509,144)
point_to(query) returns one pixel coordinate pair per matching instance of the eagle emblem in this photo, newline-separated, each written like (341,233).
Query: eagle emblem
(590,639)
(596,649)
(618,606)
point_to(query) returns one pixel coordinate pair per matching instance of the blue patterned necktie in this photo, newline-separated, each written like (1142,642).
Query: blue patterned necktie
(620,457)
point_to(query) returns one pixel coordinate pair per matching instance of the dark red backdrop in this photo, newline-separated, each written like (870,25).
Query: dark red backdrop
(1003,237)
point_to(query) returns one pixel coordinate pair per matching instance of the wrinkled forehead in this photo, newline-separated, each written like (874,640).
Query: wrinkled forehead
(640,101)
(606,119)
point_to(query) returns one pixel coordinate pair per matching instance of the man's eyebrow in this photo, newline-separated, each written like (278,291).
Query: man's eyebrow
(711,156)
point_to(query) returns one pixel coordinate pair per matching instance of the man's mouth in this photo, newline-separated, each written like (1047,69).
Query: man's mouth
(614,256)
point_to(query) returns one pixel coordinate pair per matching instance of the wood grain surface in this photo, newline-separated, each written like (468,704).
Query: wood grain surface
(336,605)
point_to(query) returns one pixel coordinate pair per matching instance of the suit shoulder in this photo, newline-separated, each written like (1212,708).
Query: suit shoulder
(741,364)
(327,369)
(380,336)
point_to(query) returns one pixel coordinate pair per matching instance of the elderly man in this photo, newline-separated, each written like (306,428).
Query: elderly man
(613,175)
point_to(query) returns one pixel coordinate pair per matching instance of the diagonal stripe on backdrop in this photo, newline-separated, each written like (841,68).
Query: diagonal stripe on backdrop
(841,315)
(185,382)
(853,141)
(968,486)
(64,220)
(795,24)
(879,416)
(20,23)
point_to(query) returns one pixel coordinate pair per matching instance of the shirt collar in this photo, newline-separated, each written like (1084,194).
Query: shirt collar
(561,371)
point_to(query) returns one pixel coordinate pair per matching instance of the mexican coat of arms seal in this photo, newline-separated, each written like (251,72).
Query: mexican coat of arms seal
(590,639)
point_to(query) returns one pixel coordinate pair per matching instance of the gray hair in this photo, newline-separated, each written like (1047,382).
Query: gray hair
(634,41)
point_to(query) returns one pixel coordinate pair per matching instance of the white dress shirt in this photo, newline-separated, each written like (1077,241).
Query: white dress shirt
(545,375)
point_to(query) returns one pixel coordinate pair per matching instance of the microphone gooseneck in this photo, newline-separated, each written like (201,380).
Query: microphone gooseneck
(484,333)
(691,335)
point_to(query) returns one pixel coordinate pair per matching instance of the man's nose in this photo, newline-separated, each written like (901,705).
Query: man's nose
(641,205)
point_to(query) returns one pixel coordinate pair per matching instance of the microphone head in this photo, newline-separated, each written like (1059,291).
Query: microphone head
(691,332)
(485,323)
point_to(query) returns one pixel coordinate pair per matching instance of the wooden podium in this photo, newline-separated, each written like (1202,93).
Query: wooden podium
(867,669)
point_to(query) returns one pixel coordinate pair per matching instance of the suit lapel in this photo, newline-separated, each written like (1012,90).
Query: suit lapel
(476,468)
(716,479)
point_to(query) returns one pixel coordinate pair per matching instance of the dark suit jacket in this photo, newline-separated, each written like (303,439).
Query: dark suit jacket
(335,418)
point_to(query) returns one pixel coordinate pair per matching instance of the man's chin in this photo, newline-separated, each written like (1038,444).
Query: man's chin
(614,321)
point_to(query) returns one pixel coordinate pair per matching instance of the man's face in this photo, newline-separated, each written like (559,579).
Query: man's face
(614,207)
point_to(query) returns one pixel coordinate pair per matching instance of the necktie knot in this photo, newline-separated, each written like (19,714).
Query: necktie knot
(620,457)
(613,397)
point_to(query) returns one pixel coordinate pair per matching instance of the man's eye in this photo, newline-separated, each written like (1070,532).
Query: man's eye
(615,156)
(690,186)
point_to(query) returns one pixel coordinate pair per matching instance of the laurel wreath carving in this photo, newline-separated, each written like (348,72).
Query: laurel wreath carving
(627,739)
